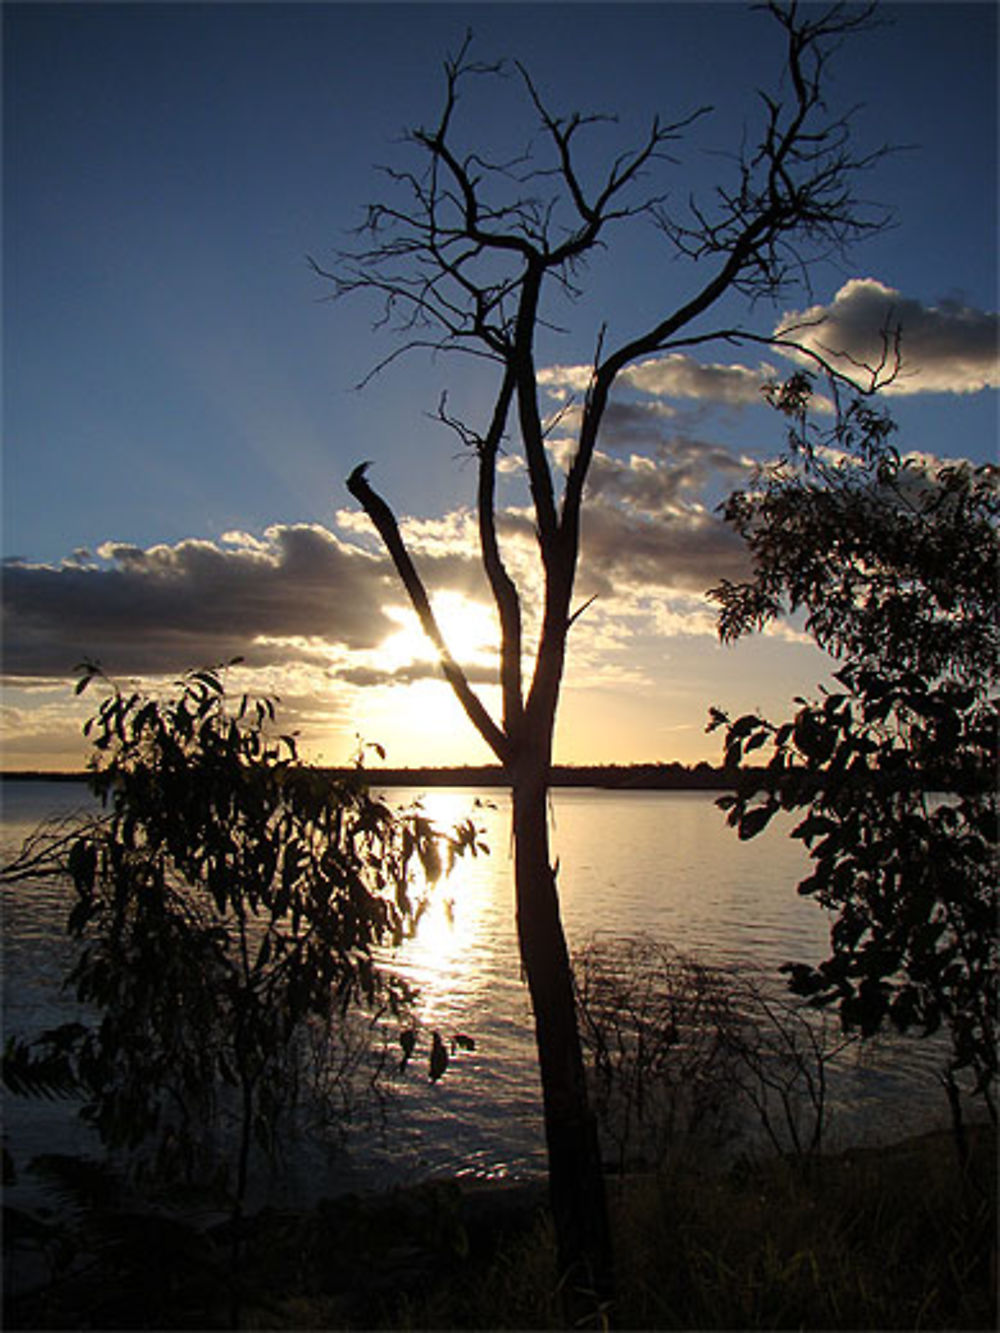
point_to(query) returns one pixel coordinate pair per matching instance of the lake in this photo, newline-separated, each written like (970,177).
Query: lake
(650,865)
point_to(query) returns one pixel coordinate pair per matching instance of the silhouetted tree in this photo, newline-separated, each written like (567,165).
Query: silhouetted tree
(464,255)
(229,903)
(894,563)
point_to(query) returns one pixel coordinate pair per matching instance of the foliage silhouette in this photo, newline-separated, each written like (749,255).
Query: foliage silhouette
(893,560)
(229,903)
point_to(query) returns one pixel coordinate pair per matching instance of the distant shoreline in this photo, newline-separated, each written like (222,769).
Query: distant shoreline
(612,777)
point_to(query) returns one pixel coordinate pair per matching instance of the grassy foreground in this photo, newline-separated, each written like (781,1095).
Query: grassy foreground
(873,1239)
(868,1239)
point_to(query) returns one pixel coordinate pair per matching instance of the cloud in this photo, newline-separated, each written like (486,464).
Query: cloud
(167,608)
(685,549)
(646,524)
(562,381)
(679,467)
(947,348)
(679,376)
(304,599)
(625,549)
(648,519)
(624,425)
(672,375)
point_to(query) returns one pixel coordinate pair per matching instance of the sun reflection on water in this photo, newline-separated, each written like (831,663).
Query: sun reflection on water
(452,956)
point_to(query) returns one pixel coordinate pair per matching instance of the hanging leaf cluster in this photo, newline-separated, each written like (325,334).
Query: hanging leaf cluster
(228,899)
(894,772)
(891,559)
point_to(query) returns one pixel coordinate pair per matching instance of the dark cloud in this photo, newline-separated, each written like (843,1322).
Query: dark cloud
(947,348)
(688,549)
(626,549)
(302,595)
(633,425)
(172,607)
(677,468)
(646,521)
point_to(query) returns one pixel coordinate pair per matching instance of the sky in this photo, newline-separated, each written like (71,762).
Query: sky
(180,394)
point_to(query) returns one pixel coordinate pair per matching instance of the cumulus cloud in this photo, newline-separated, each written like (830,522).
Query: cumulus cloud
(624,425)
(678,468)
(165,608)
(672,375)
(648,521)
(679,376)
(305,598)
(684,549)
(946,348)
(562,381)
(646,524)
(949,347)
(626,549)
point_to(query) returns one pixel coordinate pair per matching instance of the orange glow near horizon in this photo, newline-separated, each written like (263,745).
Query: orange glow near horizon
(418,720)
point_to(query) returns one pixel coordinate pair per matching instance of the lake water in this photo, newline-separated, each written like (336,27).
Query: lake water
(652,865)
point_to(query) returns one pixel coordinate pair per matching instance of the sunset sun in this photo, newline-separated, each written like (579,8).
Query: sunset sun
(468,627)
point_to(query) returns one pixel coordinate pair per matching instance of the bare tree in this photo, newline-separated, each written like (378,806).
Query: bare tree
(465,257)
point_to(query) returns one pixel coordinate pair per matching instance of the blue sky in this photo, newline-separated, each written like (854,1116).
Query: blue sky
(179,402)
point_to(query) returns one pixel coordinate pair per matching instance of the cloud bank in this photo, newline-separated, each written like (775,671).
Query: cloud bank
(167,608)
(303,594)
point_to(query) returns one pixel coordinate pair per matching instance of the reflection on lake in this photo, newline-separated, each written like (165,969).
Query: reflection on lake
(658,865)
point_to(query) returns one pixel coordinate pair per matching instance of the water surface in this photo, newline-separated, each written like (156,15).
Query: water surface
(659,865)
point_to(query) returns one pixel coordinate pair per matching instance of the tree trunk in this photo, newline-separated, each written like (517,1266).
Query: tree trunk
(576,1180)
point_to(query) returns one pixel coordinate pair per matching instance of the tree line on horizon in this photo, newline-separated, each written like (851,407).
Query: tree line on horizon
(662,775)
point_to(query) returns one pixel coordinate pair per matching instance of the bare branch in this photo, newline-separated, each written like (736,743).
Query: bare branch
(580,610)
(878,375)
(466,253)
(45,852)
(800,174)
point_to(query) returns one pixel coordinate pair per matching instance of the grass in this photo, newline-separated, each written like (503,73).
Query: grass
(871,1240)
(875,1239)
(867,1239)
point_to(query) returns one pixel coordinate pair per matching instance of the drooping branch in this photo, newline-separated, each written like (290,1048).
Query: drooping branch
(46,853)
(388,529)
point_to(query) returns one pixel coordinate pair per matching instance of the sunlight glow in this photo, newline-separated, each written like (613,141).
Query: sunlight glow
(422,723)
(469,630)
